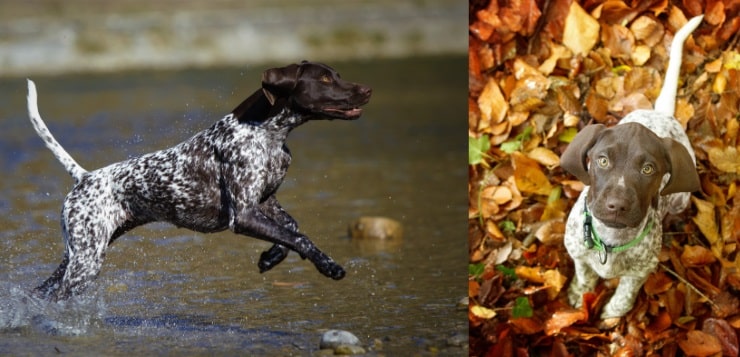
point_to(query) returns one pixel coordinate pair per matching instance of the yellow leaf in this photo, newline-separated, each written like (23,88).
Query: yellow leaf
(581,31)
(704,219)
(528,175)
(725,159)
(554,282)
(482,312)
(544,156)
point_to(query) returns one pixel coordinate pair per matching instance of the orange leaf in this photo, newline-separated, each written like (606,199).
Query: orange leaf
(562,319)
(695,255)
(661,322)
(657,283)
(698,343)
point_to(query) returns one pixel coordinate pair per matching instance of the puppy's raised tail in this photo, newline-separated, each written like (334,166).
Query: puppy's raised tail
(666,102)
(69,163)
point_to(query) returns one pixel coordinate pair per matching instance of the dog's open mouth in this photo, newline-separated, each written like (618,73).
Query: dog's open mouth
(352,113)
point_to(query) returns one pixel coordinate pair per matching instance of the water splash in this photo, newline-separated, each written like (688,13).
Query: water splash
(19,310)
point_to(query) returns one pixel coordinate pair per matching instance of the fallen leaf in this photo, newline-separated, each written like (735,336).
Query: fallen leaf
(700,344)
(696,256)
(581,31)
(545,157)
(619,40)
(705,220)
(725,159)
(724,333)
(477,149)
(527,325)
(482,312)
(563,318)
(647,30)
(528,175)
(657,283)
(492,105)
(522,307)
(551,232)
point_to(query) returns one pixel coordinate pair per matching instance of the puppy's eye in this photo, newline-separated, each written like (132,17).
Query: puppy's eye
(648,170)
(325,79)
(602,161)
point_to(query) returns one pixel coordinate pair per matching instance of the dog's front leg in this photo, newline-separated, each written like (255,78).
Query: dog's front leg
(624,297)
(254,223)
(584,281)
(277,253)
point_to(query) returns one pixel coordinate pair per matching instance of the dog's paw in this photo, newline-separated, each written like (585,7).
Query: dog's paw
(331,269)
(272,257)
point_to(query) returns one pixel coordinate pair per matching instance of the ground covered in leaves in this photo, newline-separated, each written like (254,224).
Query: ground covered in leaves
(539,71)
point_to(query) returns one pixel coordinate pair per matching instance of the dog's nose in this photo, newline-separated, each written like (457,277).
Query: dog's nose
(366,91)
(616,205)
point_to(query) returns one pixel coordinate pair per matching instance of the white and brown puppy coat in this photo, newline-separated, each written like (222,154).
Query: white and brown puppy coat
(636,172)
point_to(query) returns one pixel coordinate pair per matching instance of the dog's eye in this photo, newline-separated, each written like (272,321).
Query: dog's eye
(325,79)
(603,161)
(648,169)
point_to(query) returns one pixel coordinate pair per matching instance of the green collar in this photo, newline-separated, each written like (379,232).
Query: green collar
(592,241)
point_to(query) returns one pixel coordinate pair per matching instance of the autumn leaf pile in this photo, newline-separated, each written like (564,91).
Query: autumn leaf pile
(539,71)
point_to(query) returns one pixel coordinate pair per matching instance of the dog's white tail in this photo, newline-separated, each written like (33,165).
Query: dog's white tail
(69,163)
(666,102)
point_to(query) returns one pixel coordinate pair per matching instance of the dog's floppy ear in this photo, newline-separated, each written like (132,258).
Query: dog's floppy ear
(575,157)
(683,171)
(279,82)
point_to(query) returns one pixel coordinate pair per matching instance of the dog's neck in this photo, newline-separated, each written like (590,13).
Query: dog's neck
(257,111)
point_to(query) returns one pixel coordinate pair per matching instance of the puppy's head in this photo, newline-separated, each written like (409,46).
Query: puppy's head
(315,89)
(625,166)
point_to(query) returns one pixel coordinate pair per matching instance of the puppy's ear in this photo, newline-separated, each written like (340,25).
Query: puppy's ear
(575,157)
(683,170)
(279,82)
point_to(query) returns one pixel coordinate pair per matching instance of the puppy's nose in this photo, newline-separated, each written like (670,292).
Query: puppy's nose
(616,205)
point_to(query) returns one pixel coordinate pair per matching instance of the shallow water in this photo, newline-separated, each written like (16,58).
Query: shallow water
(169,290)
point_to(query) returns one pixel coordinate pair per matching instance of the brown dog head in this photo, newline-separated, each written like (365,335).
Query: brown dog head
(625,166)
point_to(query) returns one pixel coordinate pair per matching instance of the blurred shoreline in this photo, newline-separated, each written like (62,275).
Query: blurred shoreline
(56,37)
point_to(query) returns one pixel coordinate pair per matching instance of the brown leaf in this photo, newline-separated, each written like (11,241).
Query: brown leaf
(714,14)
(647,30)
(707,224)
(527,325)
(696,255)
(619,40)
(563,318)
(724,333)
(725,159)
(492,105)
(657,283)
(700,344)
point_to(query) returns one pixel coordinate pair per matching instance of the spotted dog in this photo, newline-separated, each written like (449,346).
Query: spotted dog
(636,172)
(224,177)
